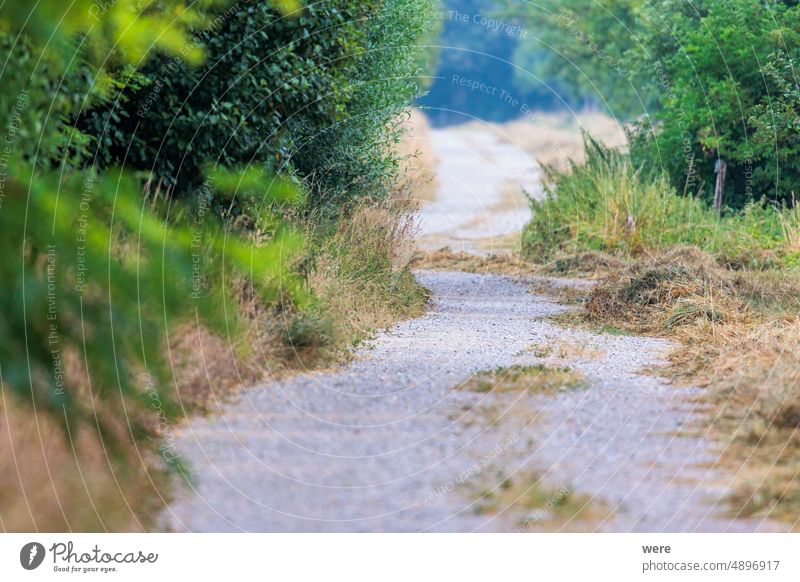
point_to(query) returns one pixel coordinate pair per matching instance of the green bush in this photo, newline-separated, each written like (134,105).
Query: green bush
(315,93)
(101,263)
(95,276)
(718,100)
(706,80)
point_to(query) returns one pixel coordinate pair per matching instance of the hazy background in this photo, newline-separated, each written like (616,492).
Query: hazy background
(485,42)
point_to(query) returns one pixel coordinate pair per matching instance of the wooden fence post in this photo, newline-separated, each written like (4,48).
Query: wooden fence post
(720,167)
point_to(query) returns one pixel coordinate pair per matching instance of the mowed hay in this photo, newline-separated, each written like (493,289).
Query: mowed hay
(667,292)
(739,336)
(754,382)
(583,264)
(446,259)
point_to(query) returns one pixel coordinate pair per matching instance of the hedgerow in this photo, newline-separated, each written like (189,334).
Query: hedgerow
(112,113)
(703,82)
(315,93)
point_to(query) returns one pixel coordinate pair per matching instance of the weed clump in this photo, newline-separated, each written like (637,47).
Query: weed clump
(537,378)
(540,505)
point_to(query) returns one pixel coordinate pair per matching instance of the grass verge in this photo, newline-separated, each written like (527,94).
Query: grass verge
(358,273)
(726,288)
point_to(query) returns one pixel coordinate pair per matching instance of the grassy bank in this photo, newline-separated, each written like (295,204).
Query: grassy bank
(185,212)
(358,279)
(726,287)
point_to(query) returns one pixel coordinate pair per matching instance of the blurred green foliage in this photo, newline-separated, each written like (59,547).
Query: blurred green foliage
(315,94)
(95,275)
(137,136)
(580,47)
(705,80)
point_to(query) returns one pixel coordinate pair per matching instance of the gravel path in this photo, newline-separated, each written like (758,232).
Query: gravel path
(366,448)
(385,443)
(388,443)
(482,177)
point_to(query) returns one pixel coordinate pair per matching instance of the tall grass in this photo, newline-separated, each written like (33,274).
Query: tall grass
(362,274)
(608,204)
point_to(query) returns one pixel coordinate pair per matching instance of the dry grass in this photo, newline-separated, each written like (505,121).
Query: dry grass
(554,138)
(739,336)
(583,264)
(447,260)
(752,372)
(49,482)
(363,275)
(419,160)
(361,283)
(668,292)
(59,474)
(536,378)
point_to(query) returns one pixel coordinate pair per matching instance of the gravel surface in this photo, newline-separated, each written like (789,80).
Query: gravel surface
(481,180)
(388,443)
(366,448)
(384,444)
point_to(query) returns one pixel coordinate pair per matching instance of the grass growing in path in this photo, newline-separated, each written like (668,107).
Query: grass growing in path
(535,378)
(445,259)
(540,506)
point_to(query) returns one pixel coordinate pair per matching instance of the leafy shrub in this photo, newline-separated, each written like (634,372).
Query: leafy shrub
(706,80)
(95,276)
(718,103)
(316,92)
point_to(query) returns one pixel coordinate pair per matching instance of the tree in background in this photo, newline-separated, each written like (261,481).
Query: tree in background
(580,48)
(477,44)
(709,84)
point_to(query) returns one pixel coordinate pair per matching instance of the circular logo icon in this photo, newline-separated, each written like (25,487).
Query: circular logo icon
(31,555)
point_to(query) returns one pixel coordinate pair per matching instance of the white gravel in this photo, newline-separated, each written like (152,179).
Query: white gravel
(481,179)
(383,444)
(388,444)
